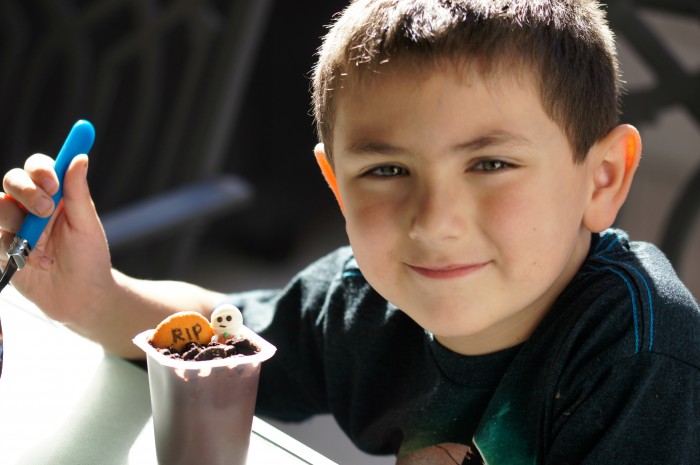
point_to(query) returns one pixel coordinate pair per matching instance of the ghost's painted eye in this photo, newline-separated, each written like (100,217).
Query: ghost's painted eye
(219,319)
(229,318)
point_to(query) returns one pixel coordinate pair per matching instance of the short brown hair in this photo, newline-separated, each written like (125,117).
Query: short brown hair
(567,44)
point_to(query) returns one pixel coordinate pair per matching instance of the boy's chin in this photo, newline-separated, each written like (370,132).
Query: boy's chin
(471,336)
(474,344)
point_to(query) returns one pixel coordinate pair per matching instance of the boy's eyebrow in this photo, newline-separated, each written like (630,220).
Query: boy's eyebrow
(498,137)
(366,147)
(494,138)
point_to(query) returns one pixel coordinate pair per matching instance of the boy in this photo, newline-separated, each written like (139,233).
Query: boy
(484,312)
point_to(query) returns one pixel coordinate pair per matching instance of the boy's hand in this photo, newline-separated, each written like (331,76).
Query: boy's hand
(68,273)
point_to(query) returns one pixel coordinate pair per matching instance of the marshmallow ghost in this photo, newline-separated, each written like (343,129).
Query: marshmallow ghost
(226,320)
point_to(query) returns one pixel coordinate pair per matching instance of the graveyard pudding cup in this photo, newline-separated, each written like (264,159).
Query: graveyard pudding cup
(203,410)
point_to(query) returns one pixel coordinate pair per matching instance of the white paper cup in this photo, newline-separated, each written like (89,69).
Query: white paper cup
(203,411)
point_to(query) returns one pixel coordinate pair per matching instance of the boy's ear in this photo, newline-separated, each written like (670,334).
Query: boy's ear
(614,160)
(327,171)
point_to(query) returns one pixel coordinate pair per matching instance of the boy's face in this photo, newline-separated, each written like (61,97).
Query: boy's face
(462,201)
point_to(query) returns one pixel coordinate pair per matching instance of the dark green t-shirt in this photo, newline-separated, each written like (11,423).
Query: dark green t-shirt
(610,376)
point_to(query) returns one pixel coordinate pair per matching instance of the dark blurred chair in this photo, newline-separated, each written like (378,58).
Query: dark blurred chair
(278,128)
(674,86)
(162,81)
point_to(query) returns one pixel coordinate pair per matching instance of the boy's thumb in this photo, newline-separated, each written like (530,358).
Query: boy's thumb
(76,193)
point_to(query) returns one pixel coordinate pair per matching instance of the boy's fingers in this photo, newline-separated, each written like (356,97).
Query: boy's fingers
(41,170)
(39,259)
(12,213)
(24,190)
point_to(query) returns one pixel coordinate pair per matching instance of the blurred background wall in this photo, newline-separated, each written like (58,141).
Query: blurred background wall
(150,75)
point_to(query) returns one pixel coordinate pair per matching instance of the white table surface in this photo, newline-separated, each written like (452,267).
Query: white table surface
(64,401)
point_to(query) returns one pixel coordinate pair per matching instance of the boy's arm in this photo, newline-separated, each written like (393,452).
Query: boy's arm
(137,305)
(69,273)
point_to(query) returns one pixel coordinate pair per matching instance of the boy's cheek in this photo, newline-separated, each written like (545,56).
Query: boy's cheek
(372,232)
(366,225)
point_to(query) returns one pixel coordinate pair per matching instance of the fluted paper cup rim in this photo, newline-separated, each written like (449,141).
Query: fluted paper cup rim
(267,350)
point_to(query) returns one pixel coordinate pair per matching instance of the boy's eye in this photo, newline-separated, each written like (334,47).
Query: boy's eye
(386,171)
(491,165)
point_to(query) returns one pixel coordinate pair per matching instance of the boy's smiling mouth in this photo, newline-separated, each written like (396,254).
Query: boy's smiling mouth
(447,271)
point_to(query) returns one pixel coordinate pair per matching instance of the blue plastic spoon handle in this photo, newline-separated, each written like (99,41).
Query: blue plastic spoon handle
(79,140)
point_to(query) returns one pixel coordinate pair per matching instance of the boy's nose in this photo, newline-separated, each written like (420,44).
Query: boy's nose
(439,213)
